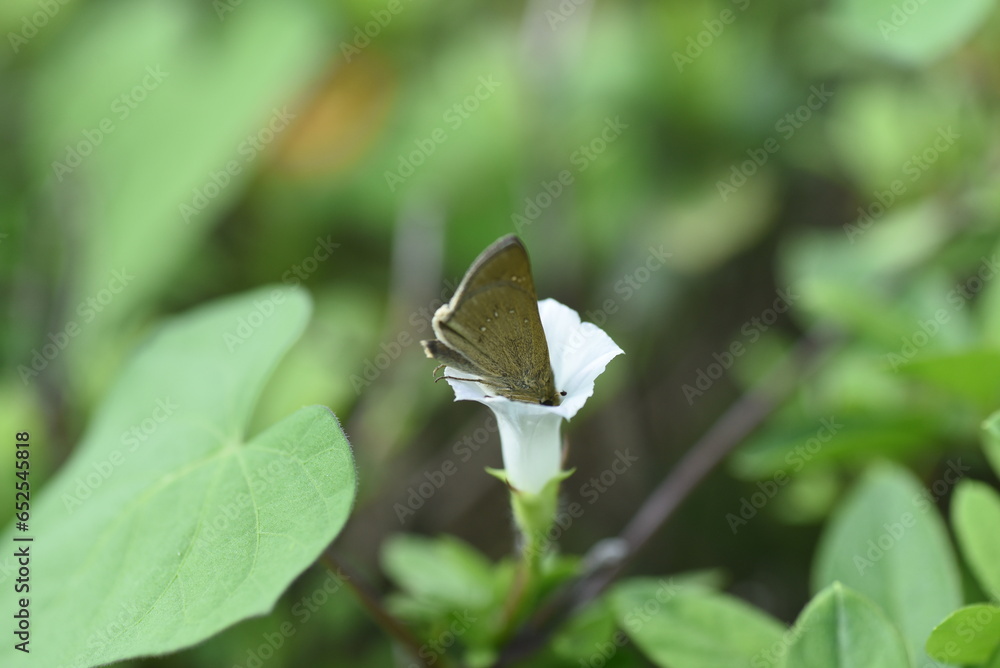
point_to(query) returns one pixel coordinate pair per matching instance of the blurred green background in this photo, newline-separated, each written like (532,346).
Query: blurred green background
(841,157)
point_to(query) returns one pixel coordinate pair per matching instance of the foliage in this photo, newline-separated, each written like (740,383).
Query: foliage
(710,183)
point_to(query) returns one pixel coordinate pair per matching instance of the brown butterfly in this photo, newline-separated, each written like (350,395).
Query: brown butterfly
(491,329)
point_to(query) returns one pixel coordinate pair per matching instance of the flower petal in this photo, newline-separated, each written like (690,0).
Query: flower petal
(532,449)
(580,351)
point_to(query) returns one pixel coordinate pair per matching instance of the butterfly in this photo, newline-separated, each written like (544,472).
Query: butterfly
(491,328)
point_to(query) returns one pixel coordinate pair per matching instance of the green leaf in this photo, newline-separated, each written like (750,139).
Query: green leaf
(694,627)
(826,272)
(824,296)
(443,572)
(186,105)
(444,581)
(802,442)
(841,628)
(912,32)
(888,542)
(991,440)
(975,514)
(700,217)
(169,524)
(968,635)
(988,302)
(969,375)
(593,633)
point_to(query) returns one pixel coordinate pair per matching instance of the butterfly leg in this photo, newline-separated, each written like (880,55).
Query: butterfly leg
(471,380)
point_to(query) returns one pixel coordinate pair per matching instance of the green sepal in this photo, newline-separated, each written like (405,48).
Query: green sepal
(499,474)
(534,513)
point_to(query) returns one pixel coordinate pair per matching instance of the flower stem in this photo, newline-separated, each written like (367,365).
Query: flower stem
(533,515)
(523,581)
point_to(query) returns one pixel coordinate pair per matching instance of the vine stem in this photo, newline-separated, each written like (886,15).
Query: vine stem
(739,420)
(373,605)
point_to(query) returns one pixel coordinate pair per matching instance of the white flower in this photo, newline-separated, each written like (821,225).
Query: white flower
(529,433)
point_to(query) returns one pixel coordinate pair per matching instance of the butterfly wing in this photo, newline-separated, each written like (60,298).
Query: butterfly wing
(491,326)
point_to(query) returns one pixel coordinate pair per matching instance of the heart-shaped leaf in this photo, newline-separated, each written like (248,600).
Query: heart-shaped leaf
(168,524)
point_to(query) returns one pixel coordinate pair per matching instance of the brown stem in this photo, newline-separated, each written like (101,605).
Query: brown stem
(370,601)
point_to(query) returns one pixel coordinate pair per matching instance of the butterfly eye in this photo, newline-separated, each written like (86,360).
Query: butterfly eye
(563,393)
